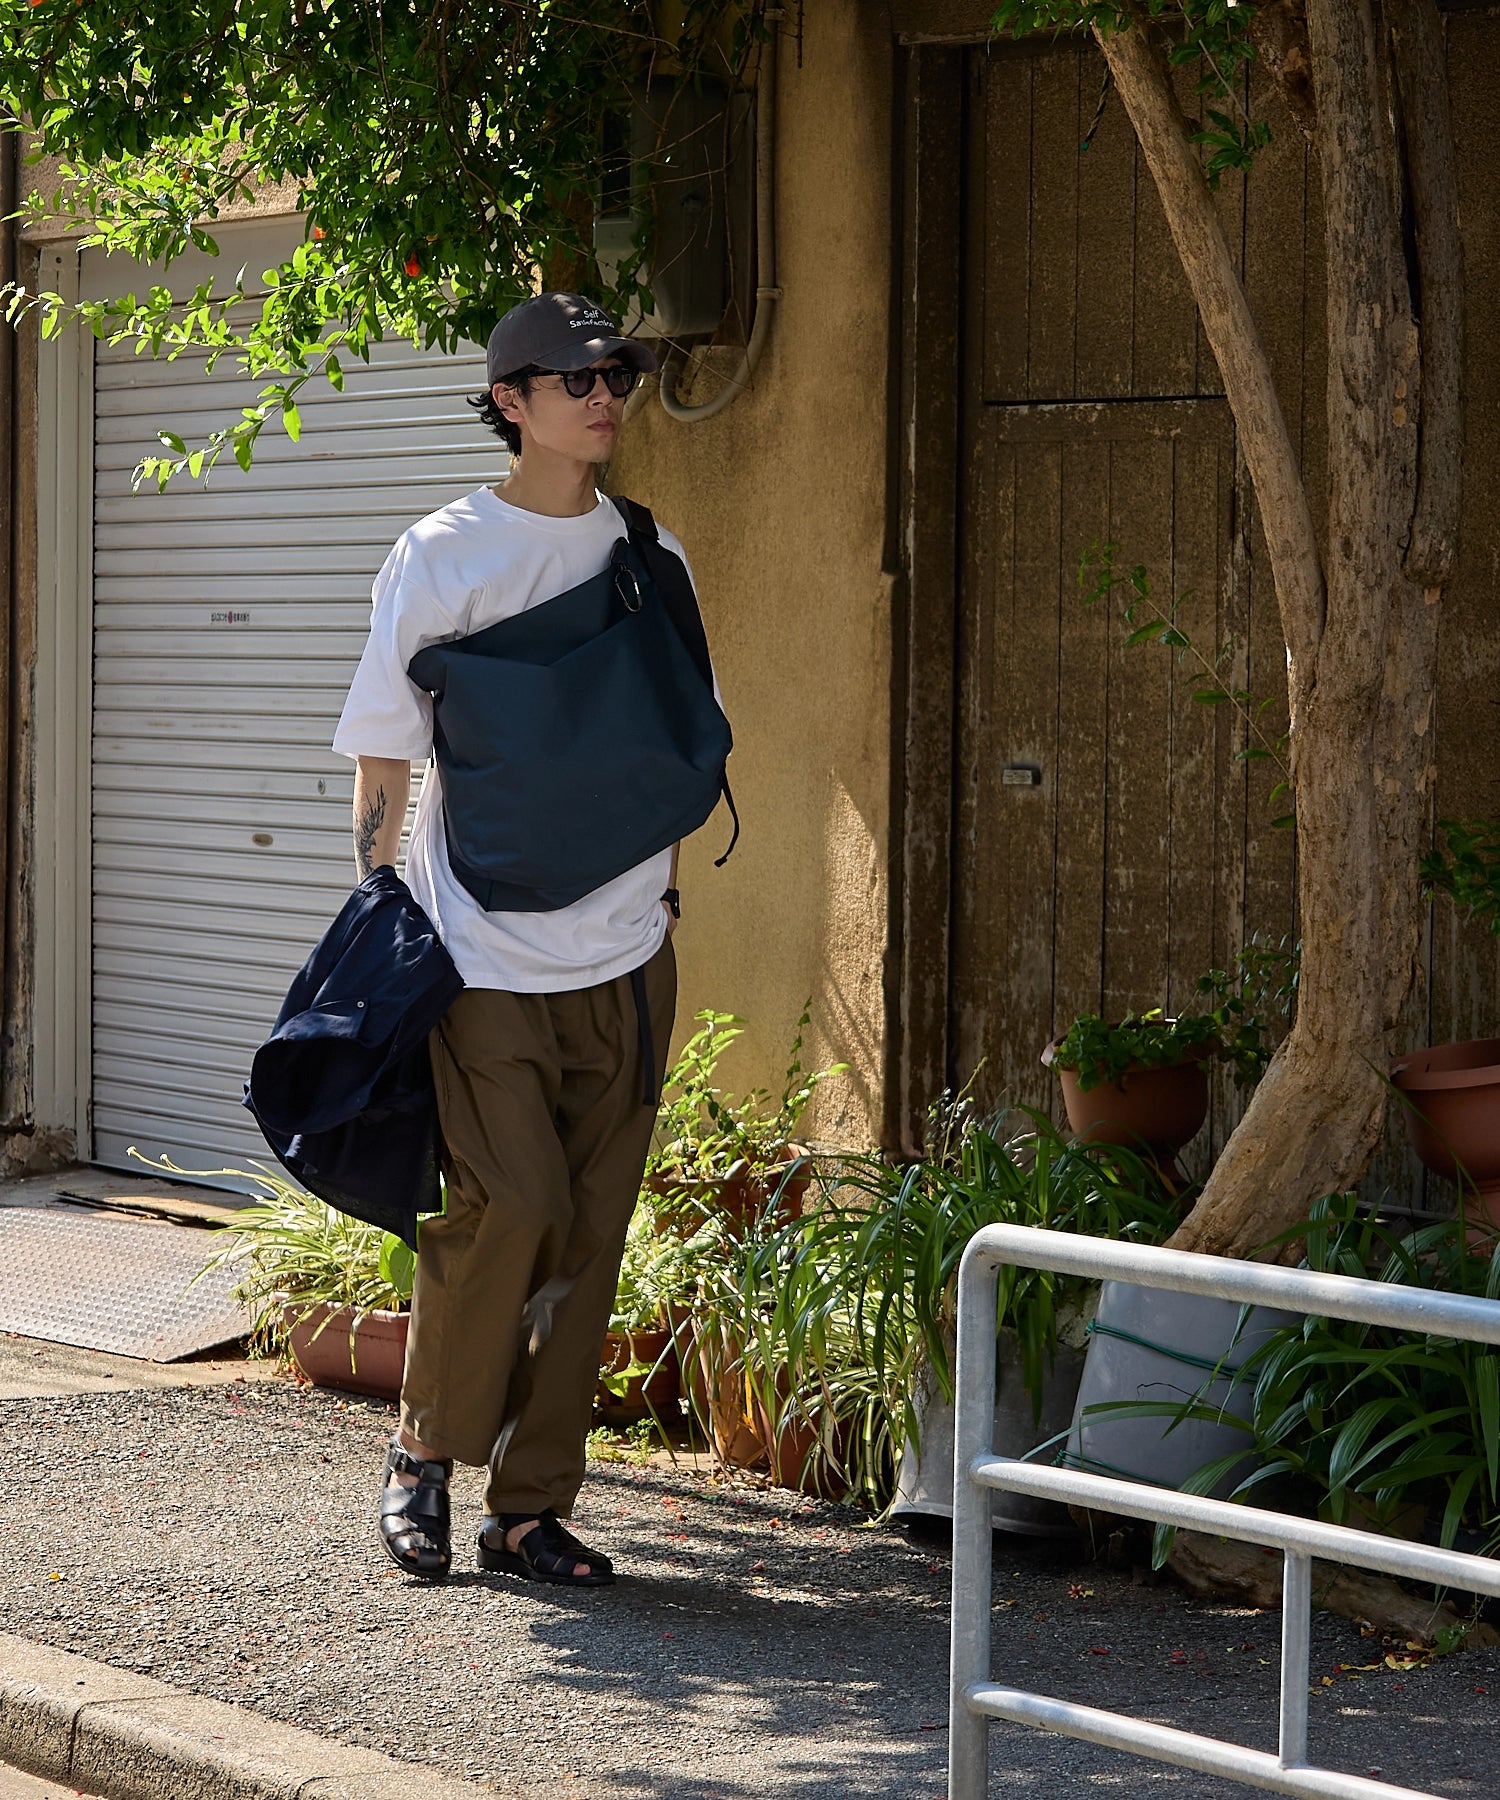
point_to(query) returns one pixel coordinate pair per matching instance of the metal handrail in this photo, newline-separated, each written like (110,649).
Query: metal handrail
(974,1699)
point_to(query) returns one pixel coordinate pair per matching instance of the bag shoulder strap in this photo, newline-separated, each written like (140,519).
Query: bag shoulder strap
(673,581)
(676,588)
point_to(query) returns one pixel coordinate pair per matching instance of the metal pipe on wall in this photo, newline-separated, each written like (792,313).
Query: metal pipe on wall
(766,290)
(10,760)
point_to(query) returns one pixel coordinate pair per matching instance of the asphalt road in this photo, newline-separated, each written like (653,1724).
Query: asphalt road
(220,1538)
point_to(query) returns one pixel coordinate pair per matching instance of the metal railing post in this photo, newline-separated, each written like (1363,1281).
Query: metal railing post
(973,1425)
(1296,1633)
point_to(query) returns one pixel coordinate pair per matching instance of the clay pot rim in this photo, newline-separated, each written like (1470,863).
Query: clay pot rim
(1411,1079)
(319,1310)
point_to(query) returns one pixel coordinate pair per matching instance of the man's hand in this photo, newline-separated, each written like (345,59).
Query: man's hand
(382,787)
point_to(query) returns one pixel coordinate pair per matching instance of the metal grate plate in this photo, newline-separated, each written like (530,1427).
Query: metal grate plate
(106,1283)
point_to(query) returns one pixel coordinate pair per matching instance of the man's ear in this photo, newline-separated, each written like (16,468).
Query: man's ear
(508,401)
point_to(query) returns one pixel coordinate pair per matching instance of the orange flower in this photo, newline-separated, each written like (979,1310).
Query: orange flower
(413,267)
(317,230)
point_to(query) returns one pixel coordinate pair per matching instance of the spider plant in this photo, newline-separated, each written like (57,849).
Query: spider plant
(1357,1421)
(296,1254)
(856,1298)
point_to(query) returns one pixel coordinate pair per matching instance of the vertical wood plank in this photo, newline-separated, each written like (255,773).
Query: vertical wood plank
(1054,222)
(1084,643)
(932,233)
(1199,476)
(1002,240)
(1197,868)
(1136,906)
(1031,828)
(1465,980)
(1106,242)
(981,718)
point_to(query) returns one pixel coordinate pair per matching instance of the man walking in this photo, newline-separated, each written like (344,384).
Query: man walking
(547,1066)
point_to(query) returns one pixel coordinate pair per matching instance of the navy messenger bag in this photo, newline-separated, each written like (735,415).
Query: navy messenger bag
(580,737)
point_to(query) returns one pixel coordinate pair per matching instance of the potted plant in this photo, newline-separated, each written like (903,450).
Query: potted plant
(638,1370)
(1452,1091)
(326,1292)
(722,1166)
(856,1301)
(1142,1083)
(717,1153)
(1362,1425)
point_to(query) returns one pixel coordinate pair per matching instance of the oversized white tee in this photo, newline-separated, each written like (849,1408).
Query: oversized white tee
(462,568)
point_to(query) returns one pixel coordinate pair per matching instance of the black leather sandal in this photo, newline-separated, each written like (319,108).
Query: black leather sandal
(414,1525)
(548,1552)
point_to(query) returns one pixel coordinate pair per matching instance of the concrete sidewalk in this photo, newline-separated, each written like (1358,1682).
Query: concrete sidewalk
(218,1540)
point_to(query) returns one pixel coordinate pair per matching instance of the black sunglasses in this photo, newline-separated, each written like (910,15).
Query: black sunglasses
(580,382)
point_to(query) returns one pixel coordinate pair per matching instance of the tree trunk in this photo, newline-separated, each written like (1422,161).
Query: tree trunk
(1360,642)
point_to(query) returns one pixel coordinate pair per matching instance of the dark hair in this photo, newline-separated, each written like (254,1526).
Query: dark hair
(491,415)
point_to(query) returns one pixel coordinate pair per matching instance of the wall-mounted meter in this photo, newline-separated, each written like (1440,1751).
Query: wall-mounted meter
(667,181)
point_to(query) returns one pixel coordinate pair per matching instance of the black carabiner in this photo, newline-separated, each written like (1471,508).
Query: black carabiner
(626,584)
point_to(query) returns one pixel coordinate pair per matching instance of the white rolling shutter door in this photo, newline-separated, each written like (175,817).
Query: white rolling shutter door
(228,619)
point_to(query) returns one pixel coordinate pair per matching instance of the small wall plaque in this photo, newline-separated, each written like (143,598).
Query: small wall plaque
(1020,775)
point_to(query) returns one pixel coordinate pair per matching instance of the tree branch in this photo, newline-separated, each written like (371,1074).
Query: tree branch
(1422,80)
(1146,89)
(1279,33)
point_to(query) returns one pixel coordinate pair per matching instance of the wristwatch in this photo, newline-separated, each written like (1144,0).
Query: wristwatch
(673,901)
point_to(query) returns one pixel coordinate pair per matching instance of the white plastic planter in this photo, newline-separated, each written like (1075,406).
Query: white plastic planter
(1150,1344)
(924,1484)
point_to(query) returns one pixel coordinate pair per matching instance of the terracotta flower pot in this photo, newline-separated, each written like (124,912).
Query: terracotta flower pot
(792,1452)
(742,1198)
(1152,1111)
(721,1378)
(656,1392)
(1453,1116)
(374,1364)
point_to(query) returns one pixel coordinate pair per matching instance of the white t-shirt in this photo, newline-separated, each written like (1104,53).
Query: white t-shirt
(455,572)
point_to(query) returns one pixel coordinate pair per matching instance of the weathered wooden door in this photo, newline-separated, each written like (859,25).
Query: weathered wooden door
(1099,811)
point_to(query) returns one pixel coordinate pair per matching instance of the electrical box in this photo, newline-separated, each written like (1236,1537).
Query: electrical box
(667,183)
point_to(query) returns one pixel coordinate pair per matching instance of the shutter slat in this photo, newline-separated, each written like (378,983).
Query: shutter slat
(209,731)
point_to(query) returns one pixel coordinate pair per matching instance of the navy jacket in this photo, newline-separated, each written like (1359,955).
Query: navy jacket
(342,1088)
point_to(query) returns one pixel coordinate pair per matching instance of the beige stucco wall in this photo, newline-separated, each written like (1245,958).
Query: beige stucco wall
(780,502)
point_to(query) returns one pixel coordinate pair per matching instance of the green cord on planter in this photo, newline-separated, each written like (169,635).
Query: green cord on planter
(1186,1357)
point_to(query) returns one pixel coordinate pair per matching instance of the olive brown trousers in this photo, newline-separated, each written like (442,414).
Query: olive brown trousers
(545,1128)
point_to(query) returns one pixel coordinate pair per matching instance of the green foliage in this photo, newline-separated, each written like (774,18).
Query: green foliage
(1214,35)
(705,1133)
(1360,1424)
(295,1253)
(1098,1051)
(442,155)
(1466,867)
(1260,986)
(841,1311)
(658,1270)
(635,1445)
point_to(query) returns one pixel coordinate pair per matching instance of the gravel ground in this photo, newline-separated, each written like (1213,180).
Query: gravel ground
(221,1539)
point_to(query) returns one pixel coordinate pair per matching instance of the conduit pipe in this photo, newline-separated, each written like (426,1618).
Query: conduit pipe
(766,290)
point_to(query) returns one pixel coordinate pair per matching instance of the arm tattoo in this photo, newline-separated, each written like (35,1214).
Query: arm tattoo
(366,830)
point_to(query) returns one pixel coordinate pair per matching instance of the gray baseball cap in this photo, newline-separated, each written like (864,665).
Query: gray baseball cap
(559,331)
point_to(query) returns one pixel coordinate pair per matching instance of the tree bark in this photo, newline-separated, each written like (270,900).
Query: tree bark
(1432,166)
(1145,87)
(1314,1121)
(1359,629)
(1429,393)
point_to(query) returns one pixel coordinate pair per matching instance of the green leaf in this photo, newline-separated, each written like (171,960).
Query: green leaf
(291,419)
(172,442)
